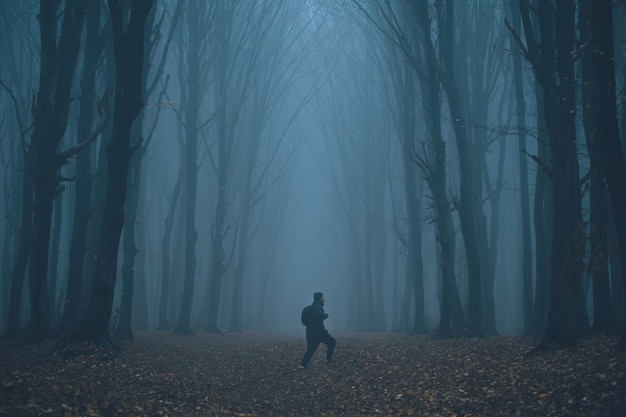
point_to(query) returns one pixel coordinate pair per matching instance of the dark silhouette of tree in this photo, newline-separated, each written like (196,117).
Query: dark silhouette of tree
(553,64)
(19,54)
(598,263)
(608,142)
(60,46)
(433,165)
(128,44)
(477,41)
(132,268)
(542,217)
(84,176)
(468,203)
(520,107)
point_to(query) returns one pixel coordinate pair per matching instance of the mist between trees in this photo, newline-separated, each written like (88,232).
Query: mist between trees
(453,168)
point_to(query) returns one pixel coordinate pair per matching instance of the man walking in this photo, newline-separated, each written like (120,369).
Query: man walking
(316,333)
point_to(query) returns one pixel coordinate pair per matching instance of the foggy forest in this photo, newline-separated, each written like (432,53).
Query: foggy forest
(195,170)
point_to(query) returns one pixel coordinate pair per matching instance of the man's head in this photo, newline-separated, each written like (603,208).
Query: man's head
(318,296)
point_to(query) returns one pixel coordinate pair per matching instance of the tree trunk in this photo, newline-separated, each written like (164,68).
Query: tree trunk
(618,301)
(566,313)
(597,266)
(411,199)
(236,316)
(193,102)
(527,256)
(164,307)
(140,315)
(468,203)
(55,242)
(407,294)
(129,56)
(84,175)
(379,243)
(124,329)
(18,275)
(542,224)
(59,52)
(613,166)
(224,133)
(434,170)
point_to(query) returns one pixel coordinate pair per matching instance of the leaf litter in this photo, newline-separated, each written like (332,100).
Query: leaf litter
(255,374)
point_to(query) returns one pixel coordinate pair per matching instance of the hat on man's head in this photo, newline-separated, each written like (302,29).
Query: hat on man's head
(317,296)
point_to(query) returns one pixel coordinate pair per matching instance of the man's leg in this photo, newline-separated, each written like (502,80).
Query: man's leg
(329,341)
(312,342)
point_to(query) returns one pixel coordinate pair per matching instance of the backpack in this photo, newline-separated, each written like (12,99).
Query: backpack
(308,315)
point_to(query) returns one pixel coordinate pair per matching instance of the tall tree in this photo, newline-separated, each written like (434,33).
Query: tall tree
(60,46)
(406,95)
(283,49)
(476,48)
(422,55)
(598,263)
(130,264)
(129,48)
(554,67)
(468,204)
(235,29)
(83,200)
(613,166)
(199,20)
(19,52)
(542,222)
(163,322)
(520,107)
(433,165)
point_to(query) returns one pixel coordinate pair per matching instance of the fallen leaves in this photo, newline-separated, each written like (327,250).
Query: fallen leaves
(249,374)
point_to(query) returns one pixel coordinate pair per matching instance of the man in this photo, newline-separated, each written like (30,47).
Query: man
(316,333)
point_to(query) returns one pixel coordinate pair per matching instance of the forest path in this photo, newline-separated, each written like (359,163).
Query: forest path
(253,374)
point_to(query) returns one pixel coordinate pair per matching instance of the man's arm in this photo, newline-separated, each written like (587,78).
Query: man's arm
(320,313)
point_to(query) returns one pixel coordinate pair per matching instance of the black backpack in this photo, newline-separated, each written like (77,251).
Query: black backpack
(308,315)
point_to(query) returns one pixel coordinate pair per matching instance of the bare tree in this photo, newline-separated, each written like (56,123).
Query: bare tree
(194,64)
(18,53)
(83,200)
(60,46)
(406,94)
(236,28)
(598,263)
(608,141)
(283,49)
(416,43)
(129,44)
(131,267)
(551,56)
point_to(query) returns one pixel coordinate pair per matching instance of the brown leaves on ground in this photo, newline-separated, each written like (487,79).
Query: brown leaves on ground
(247,374)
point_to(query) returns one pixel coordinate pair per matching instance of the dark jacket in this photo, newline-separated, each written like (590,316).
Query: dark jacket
(317,324)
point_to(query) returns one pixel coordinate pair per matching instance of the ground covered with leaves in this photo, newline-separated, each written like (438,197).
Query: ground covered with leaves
(249,374)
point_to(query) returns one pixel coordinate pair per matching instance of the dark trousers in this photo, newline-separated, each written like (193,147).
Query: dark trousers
(313,340)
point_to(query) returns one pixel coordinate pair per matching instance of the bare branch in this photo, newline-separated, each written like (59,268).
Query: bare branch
(541,163)
(23,131)
(104,111)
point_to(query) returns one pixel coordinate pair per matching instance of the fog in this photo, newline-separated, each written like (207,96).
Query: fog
(306,147)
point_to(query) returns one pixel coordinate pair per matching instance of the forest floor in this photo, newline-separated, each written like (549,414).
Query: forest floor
(251,374)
